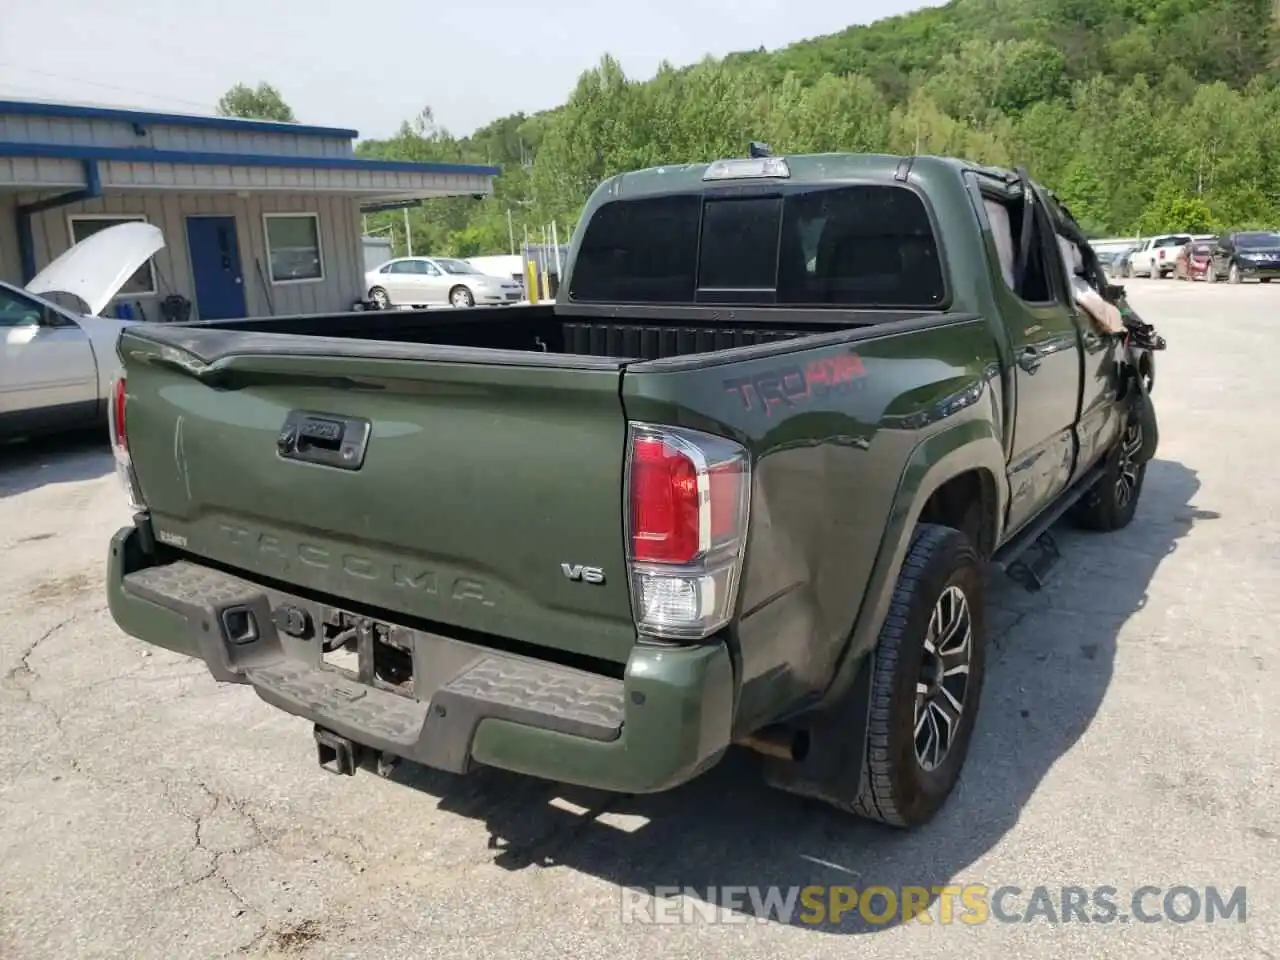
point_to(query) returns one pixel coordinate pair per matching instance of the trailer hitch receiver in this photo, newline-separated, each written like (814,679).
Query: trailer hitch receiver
(336,754)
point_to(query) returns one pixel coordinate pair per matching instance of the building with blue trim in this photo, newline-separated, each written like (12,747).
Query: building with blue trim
(259,217)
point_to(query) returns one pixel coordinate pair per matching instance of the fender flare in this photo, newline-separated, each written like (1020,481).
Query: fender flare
(973,445)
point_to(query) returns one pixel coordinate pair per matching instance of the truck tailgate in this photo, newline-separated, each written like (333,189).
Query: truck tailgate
(482,486)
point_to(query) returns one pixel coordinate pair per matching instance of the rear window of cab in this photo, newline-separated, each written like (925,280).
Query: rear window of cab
(862,246)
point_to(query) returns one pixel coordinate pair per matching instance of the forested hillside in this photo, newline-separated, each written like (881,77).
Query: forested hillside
(1145,115)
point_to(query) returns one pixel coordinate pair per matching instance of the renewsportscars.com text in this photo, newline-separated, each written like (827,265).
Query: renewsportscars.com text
(968,904)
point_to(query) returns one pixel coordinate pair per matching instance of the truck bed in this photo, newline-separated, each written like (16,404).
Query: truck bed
(546,328)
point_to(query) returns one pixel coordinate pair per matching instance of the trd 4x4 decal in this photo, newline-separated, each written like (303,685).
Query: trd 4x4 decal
(791,385)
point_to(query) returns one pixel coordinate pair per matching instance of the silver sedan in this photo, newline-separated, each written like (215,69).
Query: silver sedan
(436,281)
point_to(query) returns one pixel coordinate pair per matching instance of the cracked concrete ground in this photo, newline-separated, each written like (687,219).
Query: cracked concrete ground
(1127,737)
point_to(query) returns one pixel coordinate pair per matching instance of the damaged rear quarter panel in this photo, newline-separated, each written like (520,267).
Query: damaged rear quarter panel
(831,430)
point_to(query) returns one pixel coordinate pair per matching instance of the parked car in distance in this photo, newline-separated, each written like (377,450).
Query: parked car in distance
(428,281)
(1112,255)
(57,364)
(1155,256)
(1246,255)
(1192,262)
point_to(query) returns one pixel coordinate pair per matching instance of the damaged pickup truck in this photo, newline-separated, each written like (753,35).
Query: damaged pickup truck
(740,484)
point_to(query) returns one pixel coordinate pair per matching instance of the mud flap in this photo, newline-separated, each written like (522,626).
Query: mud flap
(833,767)
(1145,410)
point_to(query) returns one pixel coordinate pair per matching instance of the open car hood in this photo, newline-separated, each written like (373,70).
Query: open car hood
(98,266)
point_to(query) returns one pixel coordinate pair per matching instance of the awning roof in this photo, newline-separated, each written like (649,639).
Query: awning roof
(63,165)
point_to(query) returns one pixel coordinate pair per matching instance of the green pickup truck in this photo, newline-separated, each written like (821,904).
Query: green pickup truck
(740,484)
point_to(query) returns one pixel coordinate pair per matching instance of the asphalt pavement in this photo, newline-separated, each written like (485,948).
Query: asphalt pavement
(1126,740)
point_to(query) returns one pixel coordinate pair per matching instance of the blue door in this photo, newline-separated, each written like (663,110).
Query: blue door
(215,264)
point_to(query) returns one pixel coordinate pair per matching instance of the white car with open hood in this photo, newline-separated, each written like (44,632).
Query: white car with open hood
(56,365)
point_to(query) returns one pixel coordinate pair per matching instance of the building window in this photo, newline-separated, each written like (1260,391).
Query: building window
(293,247)
(82,226)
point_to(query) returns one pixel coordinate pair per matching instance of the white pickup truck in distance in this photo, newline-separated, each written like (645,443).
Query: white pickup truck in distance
(1156,256)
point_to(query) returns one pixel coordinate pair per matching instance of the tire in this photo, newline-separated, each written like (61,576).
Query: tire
(460,296)
(379,298)
(1233,274)
(1210,275)
(902,786)
(1113,501)
(1264,279)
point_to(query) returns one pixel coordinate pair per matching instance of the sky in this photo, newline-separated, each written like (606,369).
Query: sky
(369,66)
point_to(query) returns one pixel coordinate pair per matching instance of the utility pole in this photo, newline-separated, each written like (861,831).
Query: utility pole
(511,232)
(408,237)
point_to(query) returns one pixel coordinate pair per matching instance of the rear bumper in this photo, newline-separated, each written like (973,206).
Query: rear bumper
(666,721)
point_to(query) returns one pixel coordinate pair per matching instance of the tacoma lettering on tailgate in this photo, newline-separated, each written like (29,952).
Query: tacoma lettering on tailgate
(414,578)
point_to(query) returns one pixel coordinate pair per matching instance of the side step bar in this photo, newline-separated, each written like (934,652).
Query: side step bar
(1009,558)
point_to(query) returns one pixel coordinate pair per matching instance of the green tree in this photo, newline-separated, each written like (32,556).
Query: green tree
(262,102)
(1171,209)
(1152,114)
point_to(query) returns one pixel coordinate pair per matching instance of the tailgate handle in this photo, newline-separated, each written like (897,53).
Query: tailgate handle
(324,438)
(326,434)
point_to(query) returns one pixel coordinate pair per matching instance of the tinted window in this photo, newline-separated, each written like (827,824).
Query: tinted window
(864,246)
(1172,241)
(740,244)
(639,251)
(861,246)
(1251,240)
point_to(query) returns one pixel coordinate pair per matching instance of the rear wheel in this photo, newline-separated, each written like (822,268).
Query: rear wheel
(926,683)
(1210,275)
(378,297)
(1233,275)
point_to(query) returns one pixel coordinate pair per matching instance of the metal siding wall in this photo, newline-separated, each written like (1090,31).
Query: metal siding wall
(10,261)
(69,174)
(339,238)
(114,133)
(24,171)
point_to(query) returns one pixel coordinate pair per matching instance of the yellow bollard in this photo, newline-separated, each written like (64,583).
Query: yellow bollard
(531,281)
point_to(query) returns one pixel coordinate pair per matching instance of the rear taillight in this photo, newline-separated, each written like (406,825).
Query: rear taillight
(688,505)
(115,418)
(120,443)
(1162,253)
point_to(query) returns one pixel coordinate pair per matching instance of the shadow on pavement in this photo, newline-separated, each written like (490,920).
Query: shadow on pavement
(65,458)
(1048,674)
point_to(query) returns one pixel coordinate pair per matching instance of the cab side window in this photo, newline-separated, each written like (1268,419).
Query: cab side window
(1006,216)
